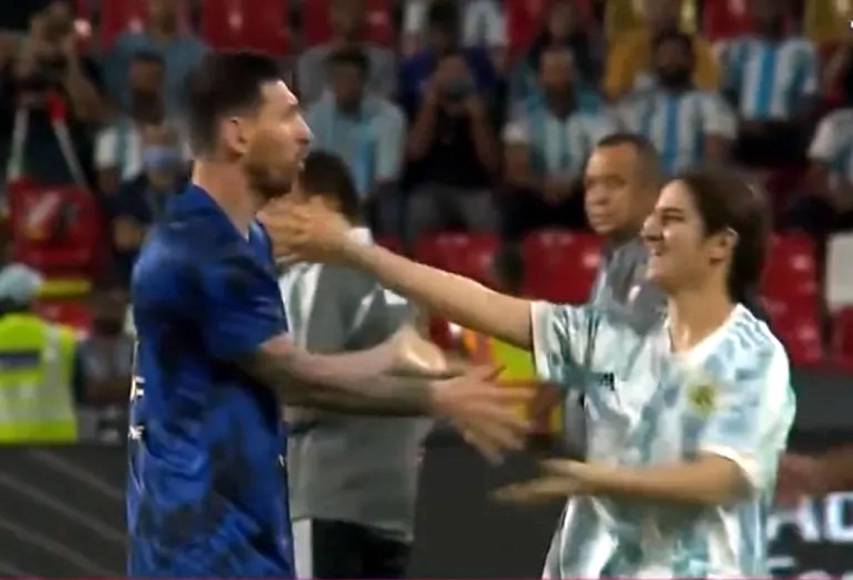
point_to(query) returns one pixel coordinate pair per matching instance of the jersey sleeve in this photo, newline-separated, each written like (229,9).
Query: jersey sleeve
(242,306)
(750,414)
(561,337)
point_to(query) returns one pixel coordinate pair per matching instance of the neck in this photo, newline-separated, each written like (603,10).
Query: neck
(694,314)
(162,31)
(227,184)
(561,105)
(350,109)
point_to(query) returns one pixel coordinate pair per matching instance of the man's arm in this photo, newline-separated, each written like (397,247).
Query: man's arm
(709,481)
(359,383)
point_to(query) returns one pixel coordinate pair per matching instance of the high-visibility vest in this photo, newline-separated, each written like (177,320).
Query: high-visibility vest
(36,374)
(518,371)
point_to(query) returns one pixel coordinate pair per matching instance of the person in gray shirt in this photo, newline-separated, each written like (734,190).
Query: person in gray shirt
(353,479)
(622,181)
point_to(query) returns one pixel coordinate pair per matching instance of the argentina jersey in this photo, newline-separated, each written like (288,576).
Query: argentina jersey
(646,406)
(558,146)
(770,80)
(833,145)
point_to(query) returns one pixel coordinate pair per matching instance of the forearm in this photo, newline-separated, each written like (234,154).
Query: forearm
(486,145)
(356,383)
(709,482)
(423,132)
(456,298)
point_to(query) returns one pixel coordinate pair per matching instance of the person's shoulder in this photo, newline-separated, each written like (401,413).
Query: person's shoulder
(756,346)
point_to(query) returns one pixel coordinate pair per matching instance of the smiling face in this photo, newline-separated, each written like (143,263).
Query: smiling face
(681,254)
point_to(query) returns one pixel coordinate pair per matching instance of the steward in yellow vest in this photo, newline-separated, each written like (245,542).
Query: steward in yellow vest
(36,367)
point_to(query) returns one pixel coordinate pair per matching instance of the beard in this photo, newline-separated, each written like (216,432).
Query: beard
(269,169)
(269,182)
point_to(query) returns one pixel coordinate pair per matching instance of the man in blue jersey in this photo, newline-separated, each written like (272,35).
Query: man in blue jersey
(214,363)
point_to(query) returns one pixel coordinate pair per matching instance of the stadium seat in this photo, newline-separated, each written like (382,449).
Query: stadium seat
(842,339)
(317,29)
(791,294)
(57,230)
(725,19)
(73,313)
(560,265)
(392,243)
(466,254)
(253,24)
(839,272)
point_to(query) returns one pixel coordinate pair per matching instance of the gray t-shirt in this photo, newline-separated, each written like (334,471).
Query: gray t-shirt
(620,286)
(349,468)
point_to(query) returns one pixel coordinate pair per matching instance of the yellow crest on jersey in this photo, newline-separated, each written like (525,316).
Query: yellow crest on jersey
(703,399)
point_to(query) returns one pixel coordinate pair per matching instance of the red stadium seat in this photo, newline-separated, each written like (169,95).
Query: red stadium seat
(253,24)
(470,255)
(842,339)
(57,230)
(725,19)
(791,293)
(379,25)
(560,266)
(392,243)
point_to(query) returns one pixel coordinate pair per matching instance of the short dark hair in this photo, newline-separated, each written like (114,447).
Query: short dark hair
(443,14)
(727,199)
(682,38)
(223,84)
(149,57)
(349,57)
(326,174)
(647,154)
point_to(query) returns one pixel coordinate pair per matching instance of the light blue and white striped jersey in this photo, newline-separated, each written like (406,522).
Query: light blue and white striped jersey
(678,123)
(558,147)
(728,396)
(771,80)
(833,144)
(371,144)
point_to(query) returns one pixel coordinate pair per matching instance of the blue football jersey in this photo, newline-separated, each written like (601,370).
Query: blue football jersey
(207,488)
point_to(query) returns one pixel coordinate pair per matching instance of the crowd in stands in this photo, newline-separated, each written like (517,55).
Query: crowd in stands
(469,116)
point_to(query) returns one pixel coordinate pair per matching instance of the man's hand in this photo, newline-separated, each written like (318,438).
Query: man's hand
(483,411)
(560,479)
(306,232)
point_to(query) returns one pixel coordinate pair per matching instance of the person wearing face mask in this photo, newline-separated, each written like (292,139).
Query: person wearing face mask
(547,142)
(142,201)
(771,76)
(685,124)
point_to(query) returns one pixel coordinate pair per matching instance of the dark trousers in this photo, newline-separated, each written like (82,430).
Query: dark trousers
(347,550)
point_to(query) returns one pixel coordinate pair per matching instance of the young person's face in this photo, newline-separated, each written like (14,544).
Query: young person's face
(681,254)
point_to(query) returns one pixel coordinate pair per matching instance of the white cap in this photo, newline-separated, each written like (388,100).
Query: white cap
(19,284)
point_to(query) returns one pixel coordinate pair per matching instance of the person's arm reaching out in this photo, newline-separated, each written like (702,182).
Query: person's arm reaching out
(312,233)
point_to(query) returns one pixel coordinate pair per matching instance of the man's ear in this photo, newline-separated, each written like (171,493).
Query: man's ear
(236,134)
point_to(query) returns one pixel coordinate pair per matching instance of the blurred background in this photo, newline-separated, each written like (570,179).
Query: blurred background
(441,111)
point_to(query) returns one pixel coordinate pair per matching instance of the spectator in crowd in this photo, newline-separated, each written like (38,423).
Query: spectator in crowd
(165,35)
(546,143)
(37,370)
(629,62)
(366,130)
(348,22)
(772,78)
(142,201)
(685,123)
(828,204)
(443,39)
(118,150)
(483,25)
(564,25)
(55,104)
(454,153)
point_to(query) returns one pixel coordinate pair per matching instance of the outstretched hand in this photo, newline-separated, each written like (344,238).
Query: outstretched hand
(305,231)
(483,411)
(560,479)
